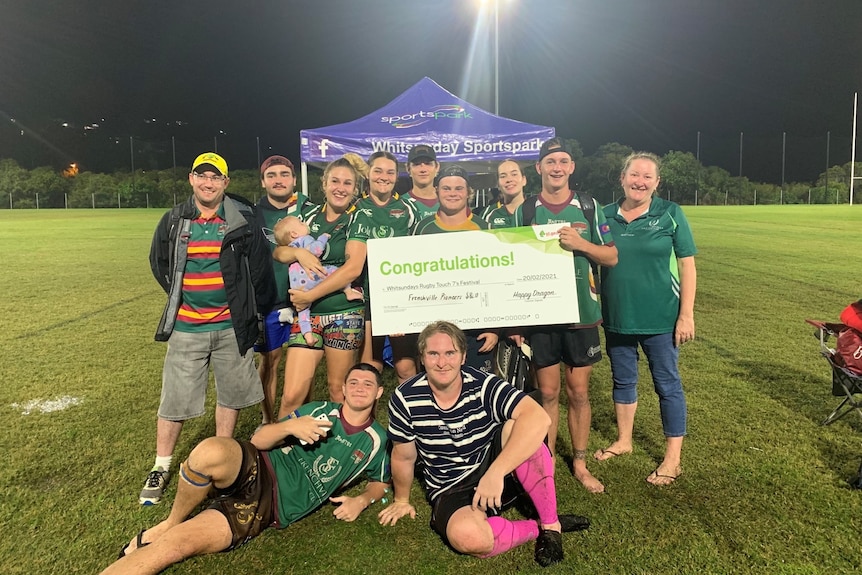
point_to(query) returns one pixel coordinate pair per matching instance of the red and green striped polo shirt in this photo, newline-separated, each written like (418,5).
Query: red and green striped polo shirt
(204,307)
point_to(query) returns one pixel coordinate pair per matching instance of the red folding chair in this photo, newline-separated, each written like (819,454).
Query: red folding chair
(845,383)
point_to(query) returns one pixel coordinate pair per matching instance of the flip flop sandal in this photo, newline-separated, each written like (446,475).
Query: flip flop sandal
(672,478)
(612,454)
(140,543)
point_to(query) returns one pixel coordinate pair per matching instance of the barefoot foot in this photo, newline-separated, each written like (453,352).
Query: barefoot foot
(587,479)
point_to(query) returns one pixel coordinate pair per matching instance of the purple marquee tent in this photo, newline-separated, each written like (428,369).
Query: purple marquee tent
(427,114)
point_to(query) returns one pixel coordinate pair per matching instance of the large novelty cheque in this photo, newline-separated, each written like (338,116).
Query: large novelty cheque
(477,279)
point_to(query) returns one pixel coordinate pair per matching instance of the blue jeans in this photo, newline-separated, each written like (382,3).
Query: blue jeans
(662,356)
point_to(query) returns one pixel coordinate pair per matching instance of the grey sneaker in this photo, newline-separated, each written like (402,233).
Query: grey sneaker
(154,487)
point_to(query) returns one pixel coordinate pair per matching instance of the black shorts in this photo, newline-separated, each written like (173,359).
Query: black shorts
(461,494)
(483,361)
(552,344)
(247,504)
(404,346)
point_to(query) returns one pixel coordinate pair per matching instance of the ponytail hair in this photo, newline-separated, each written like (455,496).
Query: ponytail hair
(353,163)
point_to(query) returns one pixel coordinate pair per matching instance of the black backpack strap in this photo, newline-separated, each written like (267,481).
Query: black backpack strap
(528,211)
(588,206)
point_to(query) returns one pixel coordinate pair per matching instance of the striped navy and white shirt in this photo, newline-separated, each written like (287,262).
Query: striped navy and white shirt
(451,442)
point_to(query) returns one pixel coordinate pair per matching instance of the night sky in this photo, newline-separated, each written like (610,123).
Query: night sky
(646,73)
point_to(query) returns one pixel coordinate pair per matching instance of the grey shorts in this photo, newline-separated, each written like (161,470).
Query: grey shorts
(186,374)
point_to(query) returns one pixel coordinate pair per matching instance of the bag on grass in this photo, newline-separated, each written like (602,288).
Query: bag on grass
(848,350)
(513,364)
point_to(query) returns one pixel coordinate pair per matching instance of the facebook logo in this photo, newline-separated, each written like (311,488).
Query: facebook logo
(323,145)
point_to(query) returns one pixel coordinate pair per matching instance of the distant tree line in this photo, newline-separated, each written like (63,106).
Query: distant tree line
(683,180)
(23,188)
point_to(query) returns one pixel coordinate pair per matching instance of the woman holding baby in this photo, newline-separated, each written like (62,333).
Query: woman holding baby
(337,322)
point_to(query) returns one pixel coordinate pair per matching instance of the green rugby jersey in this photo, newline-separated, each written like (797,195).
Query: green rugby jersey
(483,211)
(395,219)
(335,302)
(422,207)
(433,225)
(499,217)
(306,476)
(599,233)
(640,295)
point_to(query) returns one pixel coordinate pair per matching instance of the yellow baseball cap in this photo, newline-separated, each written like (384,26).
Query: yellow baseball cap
(212,161)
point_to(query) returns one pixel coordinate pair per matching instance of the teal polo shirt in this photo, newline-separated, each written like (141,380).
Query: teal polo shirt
(640,295)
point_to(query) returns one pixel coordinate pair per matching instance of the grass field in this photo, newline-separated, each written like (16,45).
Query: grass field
(764,488)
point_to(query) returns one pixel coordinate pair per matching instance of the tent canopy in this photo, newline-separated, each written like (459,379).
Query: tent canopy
(428,114)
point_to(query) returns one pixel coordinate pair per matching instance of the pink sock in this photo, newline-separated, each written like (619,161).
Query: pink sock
(536,475)
(509,534)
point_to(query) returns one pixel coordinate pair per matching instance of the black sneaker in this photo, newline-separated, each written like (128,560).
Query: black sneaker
(549,548)
(569,523)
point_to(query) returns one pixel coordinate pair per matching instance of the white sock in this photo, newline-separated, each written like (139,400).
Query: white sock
(163,462)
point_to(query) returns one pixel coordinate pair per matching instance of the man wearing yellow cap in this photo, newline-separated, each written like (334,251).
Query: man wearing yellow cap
(210,258)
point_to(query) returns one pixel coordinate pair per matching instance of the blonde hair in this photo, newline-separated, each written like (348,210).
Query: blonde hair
(353,163)
(446,328)
(358,164)
(642,156)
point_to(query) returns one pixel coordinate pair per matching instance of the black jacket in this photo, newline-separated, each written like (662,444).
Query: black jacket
(245,262)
